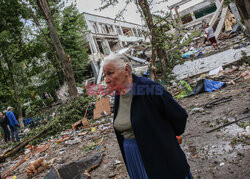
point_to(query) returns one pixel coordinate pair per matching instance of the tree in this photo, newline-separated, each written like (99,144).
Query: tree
(156,48)
(244,10)
(29,64)
(11,48)
(163,45)
(71,27)
(22,59)
(64,61)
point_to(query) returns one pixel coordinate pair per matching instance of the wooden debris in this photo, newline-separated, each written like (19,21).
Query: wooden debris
(80,123)
(246,75)
(59,141)
(231,71)
(19,146)
(85,122)
(30,147)
(101,107)
(41,149)
(232,82)
(17,165)
(90,169)
(218,101)
(82,133)
(178,92)
(62,139)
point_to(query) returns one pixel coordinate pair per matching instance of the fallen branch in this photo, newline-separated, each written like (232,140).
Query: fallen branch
(218,101)
(227,124)
(17,165)
(19,146)
(86,172)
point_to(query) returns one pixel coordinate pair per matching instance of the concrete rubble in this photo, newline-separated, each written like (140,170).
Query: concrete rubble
(206,64)
(90,149)
(208,153)
(139,55)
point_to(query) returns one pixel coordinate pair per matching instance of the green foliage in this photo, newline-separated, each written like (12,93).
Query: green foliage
(35,107)
(165,42)
(65,116)
(28,62)
(13,48)
(71,27)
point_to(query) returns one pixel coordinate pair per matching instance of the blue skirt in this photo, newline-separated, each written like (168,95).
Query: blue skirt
(134,161)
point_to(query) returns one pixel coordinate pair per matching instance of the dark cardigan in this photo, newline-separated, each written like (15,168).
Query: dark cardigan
(156,120)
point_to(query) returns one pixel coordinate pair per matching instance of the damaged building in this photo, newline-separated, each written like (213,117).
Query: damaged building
(194,14)
(106,35)
(194,10)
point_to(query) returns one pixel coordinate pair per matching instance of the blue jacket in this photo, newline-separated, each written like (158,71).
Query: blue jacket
(12,119)
(156,120)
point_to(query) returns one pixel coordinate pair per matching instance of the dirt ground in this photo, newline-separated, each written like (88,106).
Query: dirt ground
(221,154)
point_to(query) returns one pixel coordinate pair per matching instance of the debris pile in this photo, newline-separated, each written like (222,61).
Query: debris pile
(76,139)
(203,65)
(51,152)
(212,80)
(226,28)
(139,53)
(200,47)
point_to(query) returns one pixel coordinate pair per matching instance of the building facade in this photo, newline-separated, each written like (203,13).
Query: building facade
(196,9)
(106,35)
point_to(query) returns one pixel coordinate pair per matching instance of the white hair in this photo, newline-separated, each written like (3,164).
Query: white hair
(120,61)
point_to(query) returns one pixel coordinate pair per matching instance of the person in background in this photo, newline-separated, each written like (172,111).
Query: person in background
(146,121)
(13,124)
(210,36)
(4,124)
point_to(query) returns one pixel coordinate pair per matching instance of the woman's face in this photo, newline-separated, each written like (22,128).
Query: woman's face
(116,78)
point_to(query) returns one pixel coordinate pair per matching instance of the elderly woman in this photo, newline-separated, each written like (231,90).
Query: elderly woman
(146,120)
